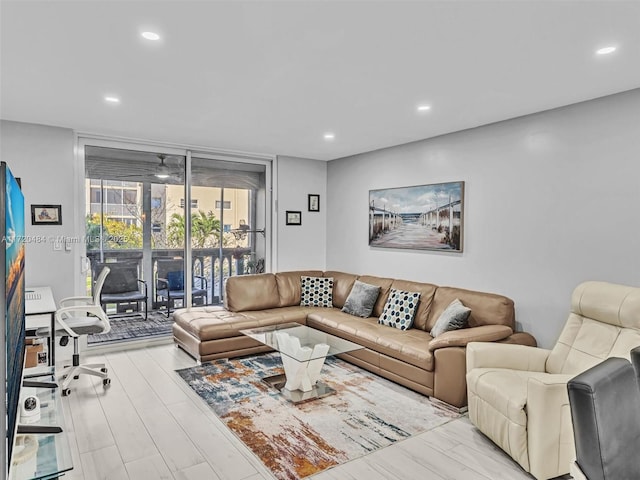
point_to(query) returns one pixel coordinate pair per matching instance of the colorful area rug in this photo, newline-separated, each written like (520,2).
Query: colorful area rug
(133,326)
(295,441)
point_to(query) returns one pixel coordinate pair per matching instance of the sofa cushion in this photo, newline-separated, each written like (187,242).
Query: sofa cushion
(210,323)
(400,309)
(251,292)
(289,314)
(361,299)
(289,285)
(316,292)
(427,291)
(342,284)
(486,308)
(454,317)
(385,287)
(409,346)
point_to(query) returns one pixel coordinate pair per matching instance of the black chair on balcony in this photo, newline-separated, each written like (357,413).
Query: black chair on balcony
(170,285)
(124,288)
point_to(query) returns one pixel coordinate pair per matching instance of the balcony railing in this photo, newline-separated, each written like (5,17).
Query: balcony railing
(206,262)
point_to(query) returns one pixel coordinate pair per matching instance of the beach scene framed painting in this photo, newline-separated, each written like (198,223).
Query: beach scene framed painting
(423,217)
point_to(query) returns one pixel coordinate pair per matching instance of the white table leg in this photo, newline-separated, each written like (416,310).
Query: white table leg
(302,373)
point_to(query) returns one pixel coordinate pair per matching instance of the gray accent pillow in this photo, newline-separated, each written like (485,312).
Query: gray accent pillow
(454,317)
(361,299)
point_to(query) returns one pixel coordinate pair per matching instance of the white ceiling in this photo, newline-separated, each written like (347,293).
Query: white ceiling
(273,77)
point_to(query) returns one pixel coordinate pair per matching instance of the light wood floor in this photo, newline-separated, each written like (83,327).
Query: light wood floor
(150,425)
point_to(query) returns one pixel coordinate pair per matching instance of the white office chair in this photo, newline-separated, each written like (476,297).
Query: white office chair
(85,300)
(82,316)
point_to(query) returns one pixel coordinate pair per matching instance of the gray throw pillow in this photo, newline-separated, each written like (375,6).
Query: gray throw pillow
(454,317)
(361,299)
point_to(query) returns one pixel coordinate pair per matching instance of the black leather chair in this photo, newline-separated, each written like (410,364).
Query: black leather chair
(170,285)
(124,288)
(605,410)
(635,361)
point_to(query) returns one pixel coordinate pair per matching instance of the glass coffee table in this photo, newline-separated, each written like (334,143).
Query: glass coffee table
(303,351)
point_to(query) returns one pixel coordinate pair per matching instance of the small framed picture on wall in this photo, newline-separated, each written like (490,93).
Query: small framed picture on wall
(294,218)
(314,202)
(46,214)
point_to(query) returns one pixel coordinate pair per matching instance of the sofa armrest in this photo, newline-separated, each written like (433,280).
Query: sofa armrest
(460,338)
(505,355)
(549,430)
(520,338)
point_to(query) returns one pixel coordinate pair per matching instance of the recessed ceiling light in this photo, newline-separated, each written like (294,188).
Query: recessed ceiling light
(424,108)
(111,99)
(150,35)
(606,50)
(329,136)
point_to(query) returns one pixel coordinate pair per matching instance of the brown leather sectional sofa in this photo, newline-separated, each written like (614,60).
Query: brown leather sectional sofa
(413,358)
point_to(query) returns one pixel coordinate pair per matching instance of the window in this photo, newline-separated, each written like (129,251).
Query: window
(130,197)
(194,203)
(151,214)
(114,196)
(95,195)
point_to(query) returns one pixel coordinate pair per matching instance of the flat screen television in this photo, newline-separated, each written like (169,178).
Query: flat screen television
(12,314)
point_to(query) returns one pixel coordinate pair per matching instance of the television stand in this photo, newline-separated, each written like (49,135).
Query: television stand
(38,384)
(33,429)
(44,444)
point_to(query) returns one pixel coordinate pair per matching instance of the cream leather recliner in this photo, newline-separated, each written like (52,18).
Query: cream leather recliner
(518,395)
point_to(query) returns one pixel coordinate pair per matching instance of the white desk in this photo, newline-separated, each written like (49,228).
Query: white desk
(40,301)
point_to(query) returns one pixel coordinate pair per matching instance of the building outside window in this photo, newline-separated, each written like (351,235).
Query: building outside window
(194,203)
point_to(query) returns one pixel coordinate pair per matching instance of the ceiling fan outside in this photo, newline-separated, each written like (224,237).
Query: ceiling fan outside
(162,171)
(156,166)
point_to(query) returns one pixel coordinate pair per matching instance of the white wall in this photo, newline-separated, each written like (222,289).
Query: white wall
(552,200)
(43,157)
(301,247)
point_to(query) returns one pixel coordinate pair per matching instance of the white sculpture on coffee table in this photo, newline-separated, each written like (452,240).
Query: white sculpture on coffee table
(302,373)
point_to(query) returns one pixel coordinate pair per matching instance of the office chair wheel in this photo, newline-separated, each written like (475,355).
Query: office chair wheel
(103,369)
(66,392)
(76,377)
(64,341)
(106,383)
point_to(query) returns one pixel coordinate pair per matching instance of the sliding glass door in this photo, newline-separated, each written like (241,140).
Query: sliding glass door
(181,224)
(228,220)
(130,200)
